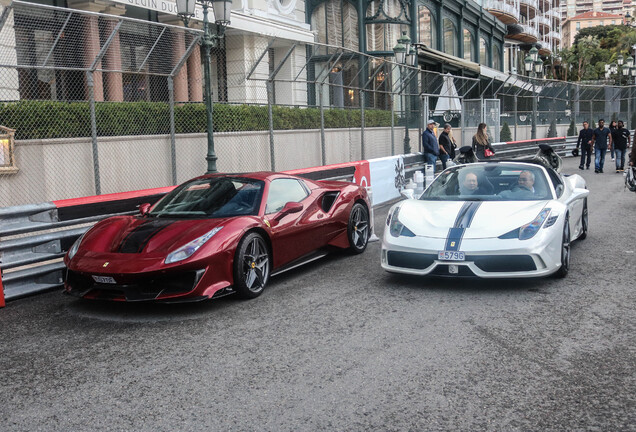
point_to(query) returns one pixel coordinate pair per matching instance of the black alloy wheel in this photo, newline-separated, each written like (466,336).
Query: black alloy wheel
(252,266)
(565,250)
(359,228)
(584,221)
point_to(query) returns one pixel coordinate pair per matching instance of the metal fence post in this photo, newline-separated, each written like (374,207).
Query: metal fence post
(392,126)
(515,114)
(362,142)
(91,87)
(323,145)
(173,144)
(271,125)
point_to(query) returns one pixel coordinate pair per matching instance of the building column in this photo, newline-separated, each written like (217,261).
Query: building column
(114,87)
(195,76)
(181,79)
(91,50)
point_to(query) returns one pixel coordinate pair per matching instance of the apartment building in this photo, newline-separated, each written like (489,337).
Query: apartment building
(572,25)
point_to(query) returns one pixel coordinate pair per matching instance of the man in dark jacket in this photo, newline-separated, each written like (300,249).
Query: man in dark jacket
(620,139)
(585,142)
(430,146)
(601,137)
(446,150)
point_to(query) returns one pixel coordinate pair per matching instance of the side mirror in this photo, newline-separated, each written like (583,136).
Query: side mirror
(144,208)
(578,193)
(408,193)
(290,207)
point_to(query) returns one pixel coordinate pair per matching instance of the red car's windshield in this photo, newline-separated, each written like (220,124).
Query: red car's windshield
(215,197)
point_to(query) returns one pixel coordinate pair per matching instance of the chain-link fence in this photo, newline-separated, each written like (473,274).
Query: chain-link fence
(104,104)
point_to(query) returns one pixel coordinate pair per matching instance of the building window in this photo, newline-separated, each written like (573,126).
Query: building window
(578,26)
(383,37)
(483,52)
(496,58)
(450,37)
(336,23)
(392,17)
(469,46)
(602,23)
(426,28)
(613,22)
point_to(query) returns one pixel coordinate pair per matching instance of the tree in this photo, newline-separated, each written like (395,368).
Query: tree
(572,129)
(505,135)
(552,130)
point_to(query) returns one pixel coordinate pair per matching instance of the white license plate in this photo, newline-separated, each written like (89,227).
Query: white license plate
(451,256)
(104,279)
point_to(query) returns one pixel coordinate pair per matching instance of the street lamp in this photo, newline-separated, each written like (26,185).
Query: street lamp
(405,54)
(534,68)
(222,10)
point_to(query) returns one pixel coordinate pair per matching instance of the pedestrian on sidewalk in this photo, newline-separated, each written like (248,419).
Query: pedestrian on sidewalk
(586,143)
(430,146)
(620,139)
(446,150)
(481,144)
(601,137)
(612,127)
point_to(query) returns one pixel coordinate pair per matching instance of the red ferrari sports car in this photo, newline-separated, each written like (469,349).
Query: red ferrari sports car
(215,235)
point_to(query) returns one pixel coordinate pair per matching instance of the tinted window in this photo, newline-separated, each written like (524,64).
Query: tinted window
(214,197)
(282,191)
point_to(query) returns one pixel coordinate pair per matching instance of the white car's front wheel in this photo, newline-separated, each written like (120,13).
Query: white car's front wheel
(565,250)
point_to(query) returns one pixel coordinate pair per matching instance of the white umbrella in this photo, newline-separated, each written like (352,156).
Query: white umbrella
(448,97)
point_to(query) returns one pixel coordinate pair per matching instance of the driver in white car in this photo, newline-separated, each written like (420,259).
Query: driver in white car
(524,187)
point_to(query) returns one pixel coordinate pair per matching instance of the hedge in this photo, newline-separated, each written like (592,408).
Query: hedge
(52,119)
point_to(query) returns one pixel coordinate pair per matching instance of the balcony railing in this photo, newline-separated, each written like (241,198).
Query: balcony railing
(554,35)
(543,20)
(502,6)
(532,3)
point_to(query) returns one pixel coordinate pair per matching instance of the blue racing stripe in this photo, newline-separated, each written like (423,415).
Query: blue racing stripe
(464,219)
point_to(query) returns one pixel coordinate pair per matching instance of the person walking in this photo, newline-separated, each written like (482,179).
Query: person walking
(586,143)
(446,150)
(620,140)
(481,143)
(601,137)
(430,146)
(612,127)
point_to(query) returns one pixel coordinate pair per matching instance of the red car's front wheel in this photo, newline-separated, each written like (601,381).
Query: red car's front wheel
(252,266)
(359,228)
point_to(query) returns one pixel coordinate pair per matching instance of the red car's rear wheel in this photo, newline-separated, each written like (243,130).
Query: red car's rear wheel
(251,266)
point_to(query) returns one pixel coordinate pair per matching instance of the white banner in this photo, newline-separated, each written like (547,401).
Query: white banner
(387,178)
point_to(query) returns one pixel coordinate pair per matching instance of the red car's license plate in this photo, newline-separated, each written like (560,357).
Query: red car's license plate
(104,279)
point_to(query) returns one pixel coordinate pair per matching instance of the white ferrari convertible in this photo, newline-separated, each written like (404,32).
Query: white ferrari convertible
(491,220)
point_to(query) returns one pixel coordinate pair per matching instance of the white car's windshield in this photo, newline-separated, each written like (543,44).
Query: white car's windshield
(490,182)
(214,197)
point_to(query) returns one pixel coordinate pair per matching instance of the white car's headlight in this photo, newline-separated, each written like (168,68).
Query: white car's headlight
(529,230)
(73,250)
(397,228)
(189,249)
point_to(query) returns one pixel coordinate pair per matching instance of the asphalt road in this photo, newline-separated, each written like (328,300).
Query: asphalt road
(342,345)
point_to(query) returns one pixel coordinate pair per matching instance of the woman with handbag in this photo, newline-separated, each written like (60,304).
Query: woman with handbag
(481,143)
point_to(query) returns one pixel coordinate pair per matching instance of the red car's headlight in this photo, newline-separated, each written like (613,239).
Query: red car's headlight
(189,249)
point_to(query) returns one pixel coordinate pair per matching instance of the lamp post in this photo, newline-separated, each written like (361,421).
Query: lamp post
(405,54)
(534,68)
(221,9)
